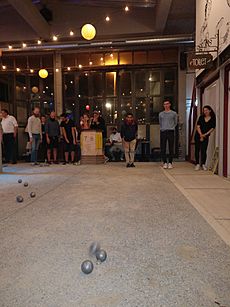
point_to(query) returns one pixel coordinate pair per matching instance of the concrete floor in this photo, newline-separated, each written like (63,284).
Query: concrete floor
(161,250)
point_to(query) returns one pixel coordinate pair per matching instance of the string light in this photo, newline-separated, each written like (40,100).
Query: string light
(55,38)
(57,69)
(3,67)
(23,45)
(18,69)
(10,47)
(101,59)
(80,66)
(71,33)
(31,70)
(68,68)
(126,8)
(90,63)
(111,55)
(107,18)
(39,42)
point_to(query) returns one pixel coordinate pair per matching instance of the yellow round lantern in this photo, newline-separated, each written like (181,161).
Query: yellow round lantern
(88,31)
(43,73)
(34,89)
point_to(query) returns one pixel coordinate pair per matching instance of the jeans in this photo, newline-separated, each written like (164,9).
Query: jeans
(9,147)
(201,147)
(167,136)
(129,148)
(116,147)
(36,138)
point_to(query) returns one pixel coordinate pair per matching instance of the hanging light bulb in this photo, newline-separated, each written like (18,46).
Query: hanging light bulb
(23,45)
(31,70)
(10,47)
(3,67)
(126,8)
(71,33)
(39,42)
(18,69)
(55,38)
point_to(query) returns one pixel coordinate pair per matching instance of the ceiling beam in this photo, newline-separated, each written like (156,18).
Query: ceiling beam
(32,16)
(161,15)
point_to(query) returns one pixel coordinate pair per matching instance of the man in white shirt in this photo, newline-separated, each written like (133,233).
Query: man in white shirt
(9,128)
(116,144)
(35,133)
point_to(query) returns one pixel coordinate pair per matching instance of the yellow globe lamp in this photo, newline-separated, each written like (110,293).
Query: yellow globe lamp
(88,31)
(43,73)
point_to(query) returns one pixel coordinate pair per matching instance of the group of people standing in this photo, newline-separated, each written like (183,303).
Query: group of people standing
(45,133)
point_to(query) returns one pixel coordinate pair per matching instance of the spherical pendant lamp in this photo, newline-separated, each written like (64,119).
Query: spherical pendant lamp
(43,73)
(88,31)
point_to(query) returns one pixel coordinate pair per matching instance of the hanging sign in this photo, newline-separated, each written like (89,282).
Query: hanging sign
(199,61)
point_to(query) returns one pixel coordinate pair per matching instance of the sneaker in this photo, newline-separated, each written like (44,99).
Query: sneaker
(106,159)
(79,162)
(132,165)
(170,166)
(197,167)
(128,165)
(165,165)
(204,167)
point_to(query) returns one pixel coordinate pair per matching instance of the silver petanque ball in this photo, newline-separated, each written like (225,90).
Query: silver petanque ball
(101,255)
(94,248)
(19,180)
(32,194)
(87,266)
(26,184)
(19,199)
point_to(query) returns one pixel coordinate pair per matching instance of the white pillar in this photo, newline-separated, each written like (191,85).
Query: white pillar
(182,109)
(58,99)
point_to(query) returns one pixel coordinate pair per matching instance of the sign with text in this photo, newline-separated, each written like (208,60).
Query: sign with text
(199,61)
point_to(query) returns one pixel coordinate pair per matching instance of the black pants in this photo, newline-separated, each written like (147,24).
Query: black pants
(167,136)
(9,147)
(201,147)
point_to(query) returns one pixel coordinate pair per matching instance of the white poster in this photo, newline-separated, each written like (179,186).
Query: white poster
(212,16)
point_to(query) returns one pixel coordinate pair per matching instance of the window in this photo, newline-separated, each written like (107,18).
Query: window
(111,80)
(125,58)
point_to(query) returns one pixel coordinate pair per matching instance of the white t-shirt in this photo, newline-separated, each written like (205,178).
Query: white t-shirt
(115,137)
(8,124)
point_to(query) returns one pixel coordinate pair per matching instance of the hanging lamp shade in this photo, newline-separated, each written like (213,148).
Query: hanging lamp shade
(43,73)
(88,31)
(34,89)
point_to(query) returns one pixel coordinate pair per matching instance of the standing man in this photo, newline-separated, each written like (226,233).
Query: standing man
(9,128)
(129,135)
(69,134)
(52,130)
(35,134)
(168,122)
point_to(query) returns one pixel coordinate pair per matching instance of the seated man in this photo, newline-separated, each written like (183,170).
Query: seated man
(116,144)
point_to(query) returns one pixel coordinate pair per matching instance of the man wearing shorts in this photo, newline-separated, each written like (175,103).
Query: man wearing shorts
(52,130)
(69,135)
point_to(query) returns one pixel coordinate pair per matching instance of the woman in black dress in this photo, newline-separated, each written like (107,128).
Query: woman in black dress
(205,126)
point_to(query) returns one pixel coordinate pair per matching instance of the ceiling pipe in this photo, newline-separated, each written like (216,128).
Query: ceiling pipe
(172,40)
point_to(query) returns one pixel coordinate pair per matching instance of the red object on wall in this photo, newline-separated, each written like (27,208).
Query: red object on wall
(87,107)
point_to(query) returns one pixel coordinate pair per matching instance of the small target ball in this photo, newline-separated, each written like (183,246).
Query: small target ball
(26,184)
(19,199)
(19,180)
(94,248)
(101,255)
(32,194)
(87,266)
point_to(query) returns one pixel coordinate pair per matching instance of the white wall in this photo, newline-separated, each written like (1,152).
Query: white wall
(211,16)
